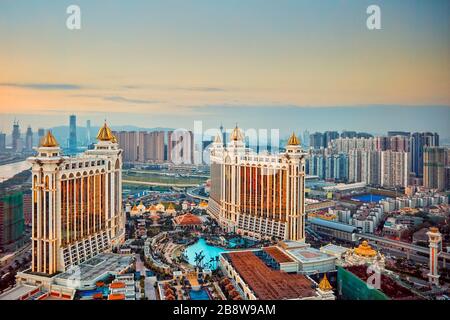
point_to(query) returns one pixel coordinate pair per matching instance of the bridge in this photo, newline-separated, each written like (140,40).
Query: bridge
(192,193)
(404,246)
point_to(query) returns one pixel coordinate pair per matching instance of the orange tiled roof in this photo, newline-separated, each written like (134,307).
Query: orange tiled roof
(117,285)
(188,219)
(116,296)
(277,254)
(266,283)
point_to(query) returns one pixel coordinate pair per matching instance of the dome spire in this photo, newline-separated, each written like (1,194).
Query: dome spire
(324,284)
(236,135)
(293,140)
(49,141)
(105,134)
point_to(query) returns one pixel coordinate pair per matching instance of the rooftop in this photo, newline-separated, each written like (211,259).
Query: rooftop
(188,219)
(96,267)
(333,225)
(278,255)
(266,283)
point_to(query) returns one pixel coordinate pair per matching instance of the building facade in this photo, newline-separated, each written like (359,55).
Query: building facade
(76,203)
(259,196)
(434,161)
(11,221)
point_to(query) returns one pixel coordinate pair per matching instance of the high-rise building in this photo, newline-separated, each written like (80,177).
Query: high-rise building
(16,144)
(143,146)
(2,142)
(382,143)
(88,132)
(347,144)
(73,133)
(328,136)
(316,140)
(11,221)
(128,142)
(305,140)
(434,161)
(258,196)
(340,167)
(77,205)
(399,143)
(29,139)
(395,168)
(420,140)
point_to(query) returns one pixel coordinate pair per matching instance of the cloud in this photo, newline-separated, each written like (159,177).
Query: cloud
(204,89)
(44,86)
(128,100)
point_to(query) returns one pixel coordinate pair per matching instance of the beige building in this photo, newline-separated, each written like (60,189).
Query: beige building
(77,203)
(255,195)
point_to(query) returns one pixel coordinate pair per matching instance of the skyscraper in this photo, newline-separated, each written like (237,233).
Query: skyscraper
(328,136)
(73,133)
(316,140)
(11,220)
(395,169)
(128,142)
(420,140)
(305,140)
(16,144)
(77,205)
(258,196)
(434,161)
(29,139)
(88,132)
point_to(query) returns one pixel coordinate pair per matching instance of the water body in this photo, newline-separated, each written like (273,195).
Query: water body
(369,198)
(8,171)
(199,295)
(207,250)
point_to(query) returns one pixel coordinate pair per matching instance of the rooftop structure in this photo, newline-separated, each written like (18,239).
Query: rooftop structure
(262,282)
(188,219)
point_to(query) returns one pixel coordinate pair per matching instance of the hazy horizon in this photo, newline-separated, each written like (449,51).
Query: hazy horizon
(288,64)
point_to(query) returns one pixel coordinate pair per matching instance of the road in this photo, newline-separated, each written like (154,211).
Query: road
(403,248)
(163,184)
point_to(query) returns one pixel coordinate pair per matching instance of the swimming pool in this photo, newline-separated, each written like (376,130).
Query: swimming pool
(90,293)
(234,242)
(369,197)
(199,294)
(209,252)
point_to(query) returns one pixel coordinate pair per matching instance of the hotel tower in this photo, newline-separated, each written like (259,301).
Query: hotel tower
(258,195)
(77,203)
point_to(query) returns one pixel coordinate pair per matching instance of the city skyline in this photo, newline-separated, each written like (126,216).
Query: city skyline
(294,67)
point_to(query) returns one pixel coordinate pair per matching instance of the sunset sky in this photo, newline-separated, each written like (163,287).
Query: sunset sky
(165,63)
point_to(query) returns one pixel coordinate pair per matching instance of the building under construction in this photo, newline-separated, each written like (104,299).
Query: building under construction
(11,221)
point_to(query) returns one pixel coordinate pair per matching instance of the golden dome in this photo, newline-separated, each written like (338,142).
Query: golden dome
(324,284)
(105,134)
(114,139)
(236,135)
(49,140)
(365,250)
(293,140)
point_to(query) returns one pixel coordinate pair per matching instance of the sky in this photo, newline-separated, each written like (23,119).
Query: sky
(288,64)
